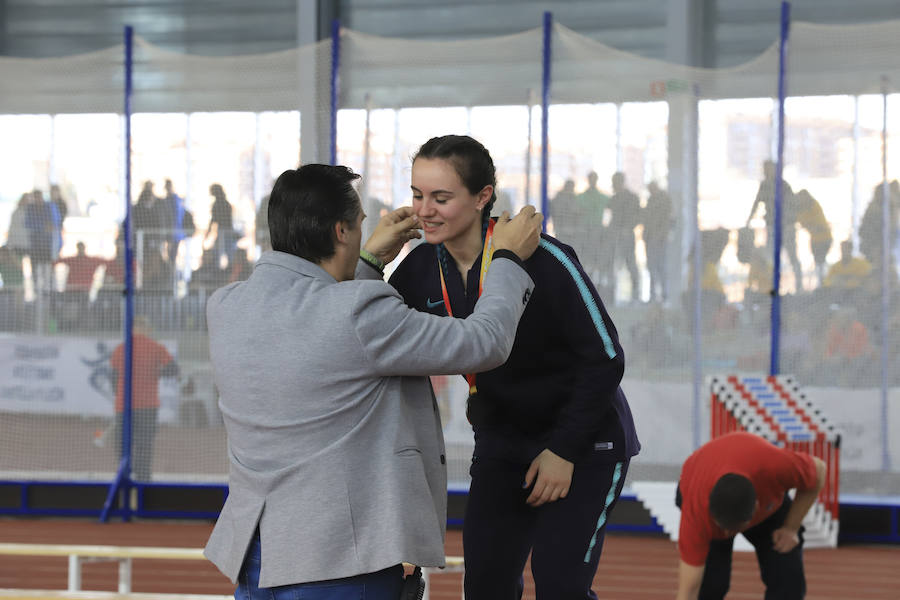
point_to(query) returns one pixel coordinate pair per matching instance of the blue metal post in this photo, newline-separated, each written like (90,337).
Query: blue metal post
(886,219)
(123,476)
(335,83)
(545,115)
(779,189)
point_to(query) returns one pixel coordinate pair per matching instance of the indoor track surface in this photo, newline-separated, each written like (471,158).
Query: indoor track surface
(632,568)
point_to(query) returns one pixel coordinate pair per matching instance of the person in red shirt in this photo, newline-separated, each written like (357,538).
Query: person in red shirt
(81,269)
(150,361)
(738,483)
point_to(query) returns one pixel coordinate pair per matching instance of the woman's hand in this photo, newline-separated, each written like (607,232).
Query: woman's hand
(554,476)
(521,234)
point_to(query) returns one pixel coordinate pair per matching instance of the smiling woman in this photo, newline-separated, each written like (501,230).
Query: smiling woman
(553,417)
(451,212)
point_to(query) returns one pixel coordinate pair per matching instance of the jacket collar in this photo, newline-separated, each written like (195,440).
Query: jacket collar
(295,264)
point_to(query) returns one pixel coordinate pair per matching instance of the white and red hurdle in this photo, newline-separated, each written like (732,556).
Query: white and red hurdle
(775,408)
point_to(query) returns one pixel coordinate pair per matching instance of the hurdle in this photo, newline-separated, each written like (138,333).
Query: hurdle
(124,555)
(776,409)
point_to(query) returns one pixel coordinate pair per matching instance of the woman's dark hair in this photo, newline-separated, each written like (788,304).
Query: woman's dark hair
(471,160)
(732,501)
(304,206)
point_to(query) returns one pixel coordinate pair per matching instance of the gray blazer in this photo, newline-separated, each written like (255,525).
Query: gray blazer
(334,436)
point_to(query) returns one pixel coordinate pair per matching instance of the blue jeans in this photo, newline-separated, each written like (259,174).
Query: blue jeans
(381,585)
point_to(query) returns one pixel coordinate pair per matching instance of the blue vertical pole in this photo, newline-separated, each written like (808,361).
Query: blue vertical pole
(545,114)
(122,482)
(887,217)
(335,82)
(779,189)
(129,272)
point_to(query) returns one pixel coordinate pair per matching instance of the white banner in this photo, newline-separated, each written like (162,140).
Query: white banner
(67,376)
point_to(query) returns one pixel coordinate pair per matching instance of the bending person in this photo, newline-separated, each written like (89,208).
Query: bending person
(337,471)
(738,483)
(553,430)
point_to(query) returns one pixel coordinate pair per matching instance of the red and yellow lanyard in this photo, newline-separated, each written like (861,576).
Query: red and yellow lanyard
(486,255)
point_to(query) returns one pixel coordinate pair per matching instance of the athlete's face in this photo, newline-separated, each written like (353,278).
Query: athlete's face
(446,209)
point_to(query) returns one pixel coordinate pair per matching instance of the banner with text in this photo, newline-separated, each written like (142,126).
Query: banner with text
(67,376)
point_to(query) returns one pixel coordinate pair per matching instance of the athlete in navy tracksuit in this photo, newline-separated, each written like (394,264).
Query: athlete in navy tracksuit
(559,391)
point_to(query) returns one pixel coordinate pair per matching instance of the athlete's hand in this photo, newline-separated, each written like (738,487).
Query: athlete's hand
(393,230)
(785,539)
(521,234)
(554,476)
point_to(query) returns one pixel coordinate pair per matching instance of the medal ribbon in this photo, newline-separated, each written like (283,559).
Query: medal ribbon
(486,255)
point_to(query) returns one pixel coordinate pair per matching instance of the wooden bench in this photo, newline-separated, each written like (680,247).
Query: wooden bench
(77,554)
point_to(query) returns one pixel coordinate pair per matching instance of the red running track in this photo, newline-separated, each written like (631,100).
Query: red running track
(632,568)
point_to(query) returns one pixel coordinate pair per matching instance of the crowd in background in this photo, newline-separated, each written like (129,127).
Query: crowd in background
(626,242)
(34,271)
(831,323)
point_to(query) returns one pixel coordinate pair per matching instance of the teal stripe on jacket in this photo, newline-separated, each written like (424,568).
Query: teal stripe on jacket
(586,295)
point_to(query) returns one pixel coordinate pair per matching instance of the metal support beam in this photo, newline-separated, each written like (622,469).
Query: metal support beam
(686,44)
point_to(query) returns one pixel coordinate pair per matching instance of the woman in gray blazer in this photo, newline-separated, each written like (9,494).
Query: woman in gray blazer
(337,466)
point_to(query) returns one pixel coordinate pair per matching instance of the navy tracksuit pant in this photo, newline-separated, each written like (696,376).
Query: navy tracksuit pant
(565,537)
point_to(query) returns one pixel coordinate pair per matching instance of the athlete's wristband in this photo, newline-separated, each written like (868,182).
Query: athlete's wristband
(372,260)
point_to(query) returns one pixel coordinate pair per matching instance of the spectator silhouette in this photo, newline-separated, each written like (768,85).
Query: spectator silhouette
(72,304)
(39,220)
(177,221)
(870,227)
(18,239)
(566,215)
(150,362)
(713,307)
(625,207)
(146,222)
(222,218)
(811,217)
(571,224)
(766,196)
(10,269)
(850,272)
(11,293)
(592,205)
(58,213)
(57,199)
(81,269)
(759,279)
(657,224)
